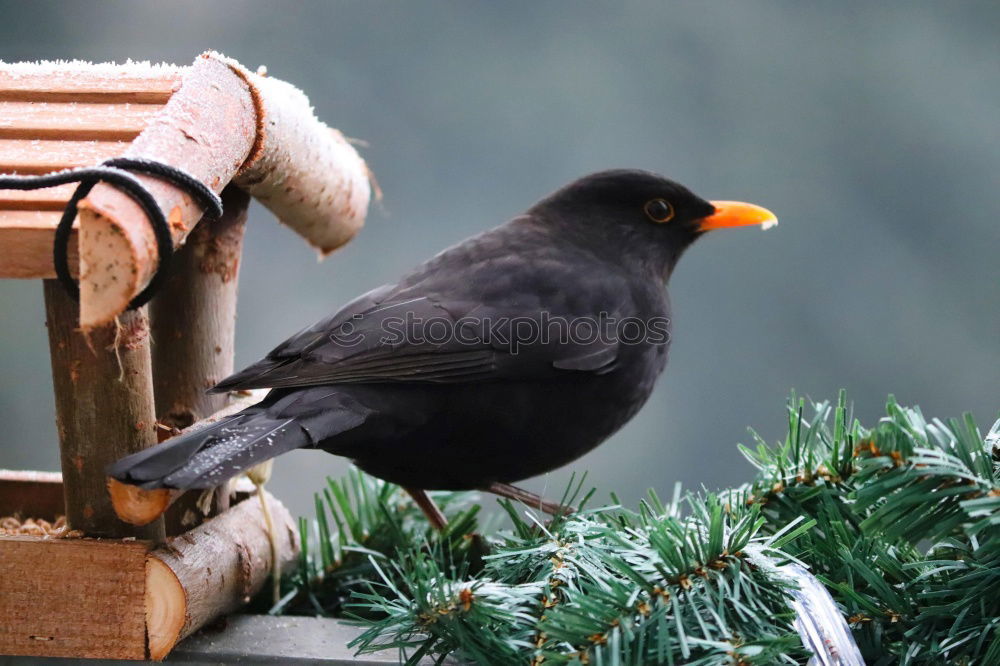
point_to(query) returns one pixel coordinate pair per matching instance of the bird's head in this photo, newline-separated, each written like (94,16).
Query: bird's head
(641,217)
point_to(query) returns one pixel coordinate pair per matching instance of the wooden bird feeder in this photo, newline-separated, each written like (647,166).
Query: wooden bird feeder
(98,586)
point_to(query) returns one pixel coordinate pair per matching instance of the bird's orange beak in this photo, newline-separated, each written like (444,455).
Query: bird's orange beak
(737,214)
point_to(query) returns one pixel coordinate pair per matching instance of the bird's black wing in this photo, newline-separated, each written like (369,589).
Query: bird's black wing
(474,313)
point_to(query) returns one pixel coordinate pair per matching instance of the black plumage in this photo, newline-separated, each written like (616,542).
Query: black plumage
(444,381)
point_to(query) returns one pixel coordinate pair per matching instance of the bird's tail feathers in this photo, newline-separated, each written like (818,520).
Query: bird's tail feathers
(283,421)
(207,457)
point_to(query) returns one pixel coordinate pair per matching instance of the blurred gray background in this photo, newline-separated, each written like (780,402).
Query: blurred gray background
(871,131)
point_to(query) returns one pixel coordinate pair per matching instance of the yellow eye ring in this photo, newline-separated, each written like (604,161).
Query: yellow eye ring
(659,210)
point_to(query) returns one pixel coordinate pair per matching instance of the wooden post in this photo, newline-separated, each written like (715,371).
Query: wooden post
(104,408)
(194,318)
(194,330)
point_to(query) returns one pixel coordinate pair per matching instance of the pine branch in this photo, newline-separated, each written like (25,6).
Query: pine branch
(908,527)
(901,522)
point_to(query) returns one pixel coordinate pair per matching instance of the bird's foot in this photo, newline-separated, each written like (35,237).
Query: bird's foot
(434,515)
(529,498)
(437,518)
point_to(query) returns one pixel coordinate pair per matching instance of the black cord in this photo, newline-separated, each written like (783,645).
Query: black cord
(116,172)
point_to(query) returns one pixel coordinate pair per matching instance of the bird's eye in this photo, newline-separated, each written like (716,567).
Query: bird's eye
(659,210)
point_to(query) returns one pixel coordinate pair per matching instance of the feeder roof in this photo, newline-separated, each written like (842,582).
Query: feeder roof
(214,119)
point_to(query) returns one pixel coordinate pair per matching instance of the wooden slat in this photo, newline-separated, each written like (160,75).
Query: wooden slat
(26,244)
(43,156)
(50,198)
(72,597)
(76,82)
(74,120)
(47,122)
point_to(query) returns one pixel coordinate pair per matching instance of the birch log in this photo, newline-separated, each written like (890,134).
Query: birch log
(207,129)
(223,122)
(194,318)
(303,171)
(212,570)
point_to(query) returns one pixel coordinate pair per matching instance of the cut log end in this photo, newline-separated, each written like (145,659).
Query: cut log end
(132,503)
(137,506)
(104,285)
(166,608)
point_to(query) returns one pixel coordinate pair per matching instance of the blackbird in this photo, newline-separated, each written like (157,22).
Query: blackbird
(503,357)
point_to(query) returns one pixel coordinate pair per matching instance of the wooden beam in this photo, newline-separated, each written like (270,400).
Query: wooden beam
(207,128)
(223,121)
(104,408)
(306,173)
(26,244)
(212,570)
(74,121)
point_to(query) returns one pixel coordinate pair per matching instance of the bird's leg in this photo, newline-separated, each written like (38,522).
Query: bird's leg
(529,498)
(430,509)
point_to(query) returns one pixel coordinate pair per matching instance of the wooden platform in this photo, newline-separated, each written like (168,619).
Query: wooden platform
(122,598)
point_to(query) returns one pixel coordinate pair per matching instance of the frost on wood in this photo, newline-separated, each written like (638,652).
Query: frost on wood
(214,119)
(303,171)
(77,80)
(85,68)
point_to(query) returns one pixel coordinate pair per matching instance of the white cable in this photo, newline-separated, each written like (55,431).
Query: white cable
(819,622)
